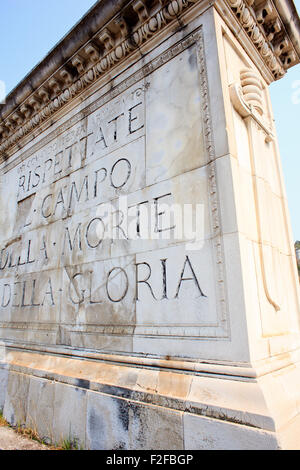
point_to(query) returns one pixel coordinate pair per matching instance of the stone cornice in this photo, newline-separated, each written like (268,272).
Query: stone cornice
(123,34)
(267,30)
(108,34)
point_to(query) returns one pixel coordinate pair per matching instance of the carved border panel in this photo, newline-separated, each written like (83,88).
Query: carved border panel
(220,329)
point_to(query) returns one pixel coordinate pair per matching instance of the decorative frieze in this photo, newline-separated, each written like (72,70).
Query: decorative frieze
(263,25)
(118,39)
(95,59)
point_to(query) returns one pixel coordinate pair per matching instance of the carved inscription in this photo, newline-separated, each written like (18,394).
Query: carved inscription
(28,293)
(115,125)
(81,253)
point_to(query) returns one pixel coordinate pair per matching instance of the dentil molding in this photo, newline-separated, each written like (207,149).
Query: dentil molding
(136,23)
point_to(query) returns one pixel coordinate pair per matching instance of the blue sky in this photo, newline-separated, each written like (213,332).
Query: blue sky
(30,28)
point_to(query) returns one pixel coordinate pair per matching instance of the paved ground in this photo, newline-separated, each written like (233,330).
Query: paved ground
(10,440)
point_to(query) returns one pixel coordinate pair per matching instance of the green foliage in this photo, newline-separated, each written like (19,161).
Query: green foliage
(3,421)
(70,444)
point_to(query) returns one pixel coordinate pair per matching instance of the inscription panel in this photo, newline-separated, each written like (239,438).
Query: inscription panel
(115,124)
(110,230)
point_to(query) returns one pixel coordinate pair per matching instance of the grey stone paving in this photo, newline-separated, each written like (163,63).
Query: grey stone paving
(10,440)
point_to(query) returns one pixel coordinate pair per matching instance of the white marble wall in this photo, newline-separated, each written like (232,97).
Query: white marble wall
(63,271)
(164,131)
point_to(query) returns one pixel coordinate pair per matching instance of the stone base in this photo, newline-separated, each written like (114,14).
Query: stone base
(109,406)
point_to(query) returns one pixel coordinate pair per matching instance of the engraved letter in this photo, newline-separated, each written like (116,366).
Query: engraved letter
(118,282)
(121,172)
(97,243)
(6,302)
(193,278)
(101,139)
(3,266)
(78,196)
(80,297)
(49,292)
(115,120)
(43,204)
(71,246)
(144,281)
(96,180)
(132,119)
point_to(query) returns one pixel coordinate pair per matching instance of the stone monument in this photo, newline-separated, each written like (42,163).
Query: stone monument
(149,296)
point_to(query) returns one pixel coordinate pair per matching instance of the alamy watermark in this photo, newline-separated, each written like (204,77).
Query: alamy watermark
(157,220)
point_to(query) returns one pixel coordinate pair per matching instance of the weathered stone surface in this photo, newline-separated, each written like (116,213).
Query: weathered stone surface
(40,408)
(15,406)
(10,440)
(69,414)
(3,386)
(107,422)
(204,433)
